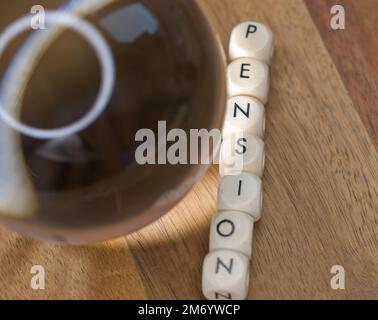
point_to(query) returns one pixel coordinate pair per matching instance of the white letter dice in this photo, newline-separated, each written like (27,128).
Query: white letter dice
(251,40)
(248,77)
(242,152)
(232,230)
(244,114)
(241,192)
(225,275)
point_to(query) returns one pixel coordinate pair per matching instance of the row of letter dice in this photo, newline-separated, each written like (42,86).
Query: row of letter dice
(242,160)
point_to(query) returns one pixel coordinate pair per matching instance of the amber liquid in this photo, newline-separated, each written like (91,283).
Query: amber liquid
(168,67)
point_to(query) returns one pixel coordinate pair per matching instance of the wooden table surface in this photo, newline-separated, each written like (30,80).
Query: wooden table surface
(320,183)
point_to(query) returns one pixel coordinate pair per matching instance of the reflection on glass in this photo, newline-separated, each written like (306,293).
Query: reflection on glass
(130,23)
(17,197)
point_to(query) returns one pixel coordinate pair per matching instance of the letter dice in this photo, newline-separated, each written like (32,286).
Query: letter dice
(241,192)
(251,40)
(232,230)
(225,275)
(249,77)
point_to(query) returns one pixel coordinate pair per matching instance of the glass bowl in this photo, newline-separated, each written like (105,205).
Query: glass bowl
(86,186)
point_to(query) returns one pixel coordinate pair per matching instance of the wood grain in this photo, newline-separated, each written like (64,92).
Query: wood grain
(354,53)
(320,187)
(83,272)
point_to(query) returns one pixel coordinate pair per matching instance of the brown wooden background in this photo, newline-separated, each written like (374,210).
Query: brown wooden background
(320,183)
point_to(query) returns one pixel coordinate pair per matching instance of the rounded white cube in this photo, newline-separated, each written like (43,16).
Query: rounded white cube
(251,40)
(242,152)
(232,230)
(249,77)
(225,275)
(244,114)
(242,192)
